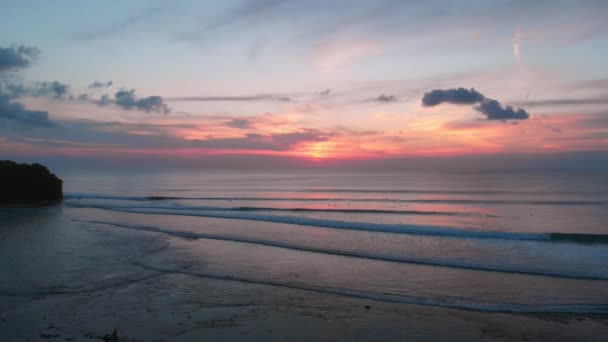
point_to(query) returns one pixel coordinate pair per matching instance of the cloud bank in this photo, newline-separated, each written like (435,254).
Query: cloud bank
(490,108)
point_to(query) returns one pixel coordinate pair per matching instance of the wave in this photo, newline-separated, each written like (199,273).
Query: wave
(339,199)
(451,302)
(360,211)
(361,226)
(357,254)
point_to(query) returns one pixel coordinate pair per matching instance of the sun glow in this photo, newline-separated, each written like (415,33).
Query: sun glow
(318,150)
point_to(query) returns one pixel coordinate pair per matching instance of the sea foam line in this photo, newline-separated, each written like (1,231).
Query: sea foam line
(353,254)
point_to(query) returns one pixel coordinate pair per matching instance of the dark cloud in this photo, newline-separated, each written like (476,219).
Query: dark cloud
(491,108)
(386,98)
(17,57)
(17,113)
(247,98)
(454,96)
(127,100)
(98,84)
(239,123)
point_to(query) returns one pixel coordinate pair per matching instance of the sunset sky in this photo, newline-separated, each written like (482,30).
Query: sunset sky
(243,82)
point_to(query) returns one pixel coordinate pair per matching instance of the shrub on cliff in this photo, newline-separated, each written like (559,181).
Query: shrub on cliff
(24,182)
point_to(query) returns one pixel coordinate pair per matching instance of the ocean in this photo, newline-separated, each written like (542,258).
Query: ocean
(129,248)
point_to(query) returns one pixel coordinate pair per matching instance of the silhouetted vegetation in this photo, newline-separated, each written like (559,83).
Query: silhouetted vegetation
(24,182)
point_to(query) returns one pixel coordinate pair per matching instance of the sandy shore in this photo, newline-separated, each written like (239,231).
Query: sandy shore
(64,281)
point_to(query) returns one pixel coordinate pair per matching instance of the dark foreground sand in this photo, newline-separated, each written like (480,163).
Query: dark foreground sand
(68,282)
(148,311)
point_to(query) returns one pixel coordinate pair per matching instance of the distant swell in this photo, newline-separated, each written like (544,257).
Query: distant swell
(454,303)
(361,226)
(380,190)
(335,199)
(357,254)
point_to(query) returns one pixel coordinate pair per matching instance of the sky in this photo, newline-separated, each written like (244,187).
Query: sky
(262,83)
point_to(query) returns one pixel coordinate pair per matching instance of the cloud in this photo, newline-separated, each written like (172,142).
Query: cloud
(239,123)
(600,100)
(248,10)
(267,142)
(491,108)
(454,96)
(126,99)
(158,137)
(246,98)
(386,98)
(98,84)
(104,100)
(601,83)
(325,92)
(17,113)
(120,27)
(13,112)
(53,89)
(17,57)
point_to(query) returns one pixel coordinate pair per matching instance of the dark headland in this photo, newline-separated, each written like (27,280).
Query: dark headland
(25,182)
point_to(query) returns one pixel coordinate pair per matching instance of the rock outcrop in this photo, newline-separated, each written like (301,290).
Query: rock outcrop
(24,182)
